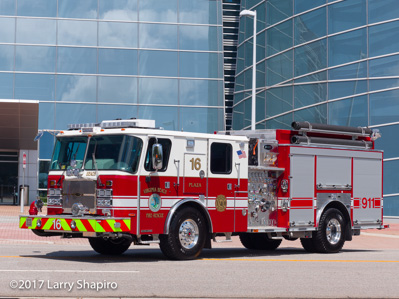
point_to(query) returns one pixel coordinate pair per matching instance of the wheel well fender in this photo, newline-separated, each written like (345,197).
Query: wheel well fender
(337,205)
(188,202)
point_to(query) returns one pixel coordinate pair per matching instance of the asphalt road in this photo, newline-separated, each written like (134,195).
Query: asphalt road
(368,267)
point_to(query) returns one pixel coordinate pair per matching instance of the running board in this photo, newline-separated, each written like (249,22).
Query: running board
(227,235)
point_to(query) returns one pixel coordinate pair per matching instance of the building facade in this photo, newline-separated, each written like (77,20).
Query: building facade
(74,61)
(324,61)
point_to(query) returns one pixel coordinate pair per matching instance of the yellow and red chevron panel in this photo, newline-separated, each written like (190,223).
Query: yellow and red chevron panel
(82,224)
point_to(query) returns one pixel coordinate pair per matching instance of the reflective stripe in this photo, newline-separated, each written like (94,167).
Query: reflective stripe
(65,225)
(82,225)
(49,223)
(99,228)
(112,226)
(22,221)
(34,223)
(93,224)
(127,223)
(79,226)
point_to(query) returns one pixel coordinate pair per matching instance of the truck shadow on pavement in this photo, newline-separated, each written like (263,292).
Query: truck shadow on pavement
(155,255)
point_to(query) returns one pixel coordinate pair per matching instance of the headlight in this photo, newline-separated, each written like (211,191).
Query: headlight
(104,202)
(54,201)
(54,192)
(104,192)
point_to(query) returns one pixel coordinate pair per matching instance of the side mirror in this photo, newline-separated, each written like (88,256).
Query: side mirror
(157,156)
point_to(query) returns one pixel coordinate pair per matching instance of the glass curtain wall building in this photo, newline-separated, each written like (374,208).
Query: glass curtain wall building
(90,60)
(324,61)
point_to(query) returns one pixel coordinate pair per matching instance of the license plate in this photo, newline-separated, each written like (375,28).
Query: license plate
(28,222)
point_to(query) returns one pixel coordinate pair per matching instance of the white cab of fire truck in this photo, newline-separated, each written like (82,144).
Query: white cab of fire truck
(125,181)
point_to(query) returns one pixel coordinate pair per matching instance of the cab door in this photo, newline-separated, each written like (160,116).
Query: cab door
(195,168)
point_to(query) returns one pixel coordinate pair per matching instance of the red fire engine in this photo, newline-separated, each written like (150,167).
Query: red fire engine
(125,181)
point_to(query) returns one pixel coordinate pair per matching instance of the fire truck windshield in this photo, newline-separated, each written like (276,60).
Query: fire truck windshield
(110,152)
(114,152)
(68,149)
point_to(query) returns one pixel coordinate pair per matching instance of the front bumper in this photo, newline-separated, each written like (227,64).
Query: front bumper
(70,224)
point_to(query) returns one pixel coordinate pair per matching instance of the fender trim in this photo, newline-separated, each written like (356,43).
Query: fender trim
(177,205)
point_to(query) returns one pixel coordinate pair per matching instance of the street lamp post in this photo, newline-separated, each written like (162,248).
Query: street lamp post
(253,114)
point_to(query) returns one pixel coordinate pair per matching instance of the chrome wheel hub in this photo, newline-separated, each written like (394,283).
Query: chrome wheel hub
(188,234)
(333,231)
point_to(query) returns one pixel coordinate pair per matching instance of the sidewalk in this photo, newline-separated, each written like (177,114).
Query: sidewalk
(10,233)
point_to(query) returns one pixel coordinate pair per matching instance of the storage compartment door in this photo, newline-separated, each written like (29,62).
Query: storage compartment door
(302,190)
(367,190)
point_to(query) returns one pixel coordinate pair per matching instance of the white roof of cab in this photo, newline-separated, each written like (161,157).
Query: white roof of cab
(153,132)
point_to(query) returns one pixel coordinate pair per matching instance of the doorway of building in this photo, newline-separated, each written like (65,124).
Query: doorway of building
(8,177)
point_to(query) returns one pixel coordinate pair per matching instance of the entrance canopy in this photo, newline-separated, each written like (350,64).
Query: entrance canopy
(18,124)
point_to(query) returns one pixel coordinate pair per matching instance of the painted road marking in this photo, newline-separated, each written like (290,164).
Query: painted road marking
(69,271)
(311,261)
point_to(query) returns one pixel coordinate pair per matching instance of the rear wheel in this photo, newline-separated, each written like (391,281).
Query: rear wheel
(110,246)
(186,237)
(330,237)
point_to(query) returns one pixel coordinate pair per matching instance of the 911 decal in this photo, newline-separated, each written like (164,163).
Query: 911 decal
(367,203)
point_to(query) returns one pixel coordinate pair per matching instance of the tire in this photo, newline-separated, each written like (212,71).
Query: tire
(187,235)
(308,245)
(110,246)
(259,241)
(247,241)
(330,237)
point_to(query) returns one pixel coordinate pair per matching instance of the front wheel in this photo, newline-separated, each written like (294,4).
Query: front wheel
(110,246)
(330,237)
(187,235)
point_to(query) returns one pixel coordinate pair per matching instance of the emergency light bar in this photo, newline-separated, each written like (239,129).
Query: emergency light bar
(79,126)
(126,123)
(119,123)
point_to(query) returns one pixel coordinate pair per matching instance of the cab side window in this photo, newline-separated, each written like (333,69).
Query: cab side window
(221,158)
(166,147)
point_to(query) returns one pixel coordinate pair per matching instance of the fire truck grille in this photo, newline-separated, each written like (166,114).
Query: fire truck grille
(78,192)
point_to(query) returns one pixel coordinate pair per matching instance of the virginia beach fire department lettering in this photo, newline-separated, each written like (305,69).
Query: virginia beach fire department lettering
(154,215)
(155,189)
